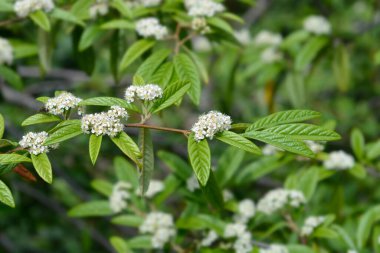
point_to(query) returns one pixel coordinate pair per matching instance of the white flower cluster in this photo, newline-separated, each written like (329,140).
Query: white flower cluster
(270,55)
(120,195)
(274,248)
(161,226)
(278,199)
(105,123)
(199,24)
(24,7)
(99,8)
(203,8)
(339,160)
(151,27)
(62,103)
(192,183)
(243,239)
(267,38)
(155,186)
(246,210)
(243,36)
(315,146)
(270,150)
(210,238)
(149,3)
(317,24)
(311,223)
(6,52)
(146,92)
(209,124)
(34,142)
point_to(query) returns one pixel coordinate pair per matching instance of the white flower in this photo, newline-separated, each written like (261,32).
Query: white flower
(270,150)
(100,8)
(192,183)
(317,24)
(200,24)
(146,92)
(120,195)
(155,186)
(243,244)
(315,146)
(311,223)
(339,160)
(209,124)
(34,142)
(161,226)
(275,248)
(227,195)
(150,3)
(151,27)
(243,36)
(24,7)
(62,103)
(246,210)
(203,8)
(267,38)
(6,52)
(234,230)
(201,44)
(270,55)
(105,123)
(277,199)
(211,237)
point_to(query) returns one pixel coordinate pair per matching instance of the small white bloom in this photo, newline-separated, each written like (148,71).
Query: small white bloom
(209,124)
(270,150)
(243,36)
(150,3)
(234,230)
(200,24)
(339,160)
(317,24)
(211,237)
(243,244)
(99,8)
(275,248)
(62,103)
(155,186)
(120,195)
(267,38)
(161,226)
(270,55)
(34,142)
(203,8)
(192,183)
(315,146)
(277,199)
(148,92)
(246,210)
(24,7)
(201,44)
(311,223)
(151,27)
(227,195)
(6,52)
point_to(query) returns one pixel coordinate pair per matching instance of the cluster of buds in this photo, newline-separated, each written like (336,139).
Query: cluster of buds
(148,92)
(62,103)
(34,143)
(278,199)
(209,124)
(151,27)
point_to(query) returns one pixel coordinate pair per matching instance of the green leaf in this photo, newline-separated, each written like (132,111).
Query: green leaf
(228,165)
(91,209)
(40,118)
(212,192)
(78,7)
(357,143)
(176,164)
(39,18)
(306,55)
(199,64)
(2,126)
(120,245)
(44,50)
(123,8)
(22,49)
(125,171)
(6,6)
(295,87)
(64,133)
(366,222)
(342,68)
(138,80)
(200,158)
(358,171)
(134,52)
(118,24)
(102,186)
(164,74)
(344,236)
(281,141)
(172,93)
(13,158)
(300,131)
(66,16)
(94,147)
(220,24)
(89,36)
(238,141)
(128,220)
(187,71)
(43,167)
(299,249)
(5,143)
(146,147)
(283,117)
(307,182)
(6,195)
(323,232)
(152,63)
(128,147)
(11,77)
(140,242)
(109,101)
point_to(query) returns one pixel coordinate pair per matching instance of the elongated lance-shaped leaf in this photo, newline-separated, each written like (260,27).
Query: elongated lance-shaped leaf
(64,133)
(238,141)
(2,126)
(164,74)
(118,24)
(284,117)
(41,19)
(310,51)
(147,160)
(128,147)
(150,65)
(120,245)
(40,118)
(176,164)
(187,71)
(6,195)
(281,141)
(109,101)
(212,192)
(89,36)
(300,131)
(43,167)
(200,158)
(94,147)
(13,159)
(91,209)
(134,52)
(172,93)
(366,222)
